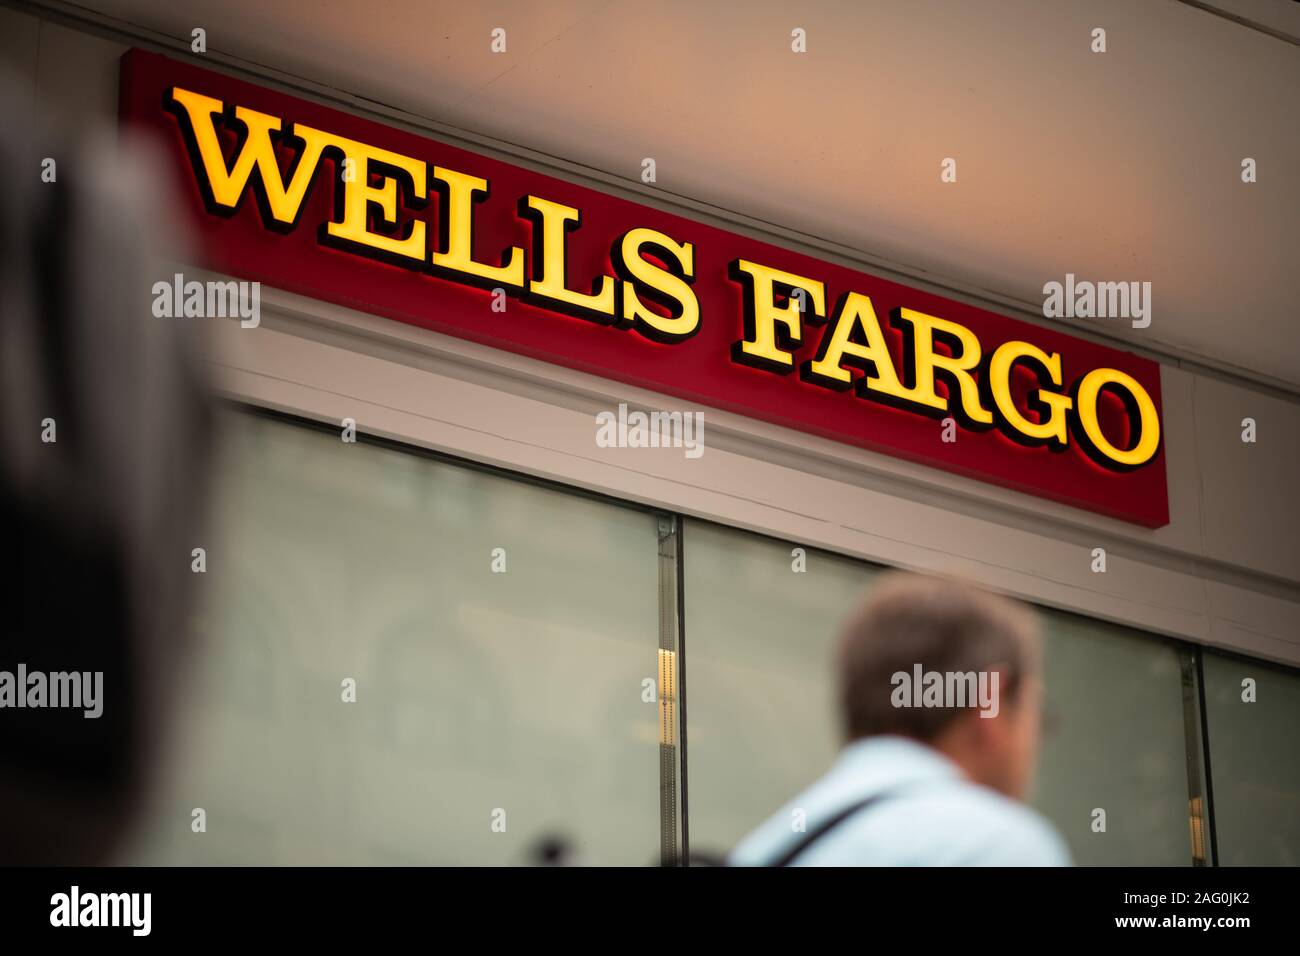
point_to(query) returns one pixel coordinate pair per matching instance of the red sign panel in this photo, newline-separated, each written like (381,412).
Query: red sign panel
(326,204)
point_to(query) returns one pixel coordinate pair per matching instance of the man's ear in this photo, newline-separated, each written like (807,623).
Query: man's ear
(972,734)
(989,720)
(985,733)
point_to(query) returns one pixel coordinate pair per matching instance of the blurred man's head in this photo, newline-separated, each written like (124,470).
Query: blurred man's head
(946,664)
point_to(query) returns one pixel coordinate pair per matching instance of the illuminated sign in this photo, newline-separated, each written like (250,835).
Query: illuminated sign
(340,208)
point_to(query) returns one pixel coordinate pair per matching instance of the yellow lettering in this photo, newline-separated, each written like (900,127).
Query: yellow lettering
(459,192)
(664,286)
(772,332)
(1137,402)
(855,319)
(923,362)
(359,195)
(224,187)
(552,221)
(1001,365)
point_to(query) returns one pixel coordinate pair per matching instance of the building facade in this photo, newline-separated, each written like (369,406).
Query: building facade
(628,648)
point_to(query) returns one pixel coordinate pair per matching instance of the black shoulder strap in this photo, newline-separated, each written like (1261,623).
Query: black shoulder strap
(825,827)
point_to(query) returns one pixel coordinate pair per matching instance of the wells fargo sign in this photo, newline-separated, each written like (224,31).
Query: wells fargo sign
(329,205)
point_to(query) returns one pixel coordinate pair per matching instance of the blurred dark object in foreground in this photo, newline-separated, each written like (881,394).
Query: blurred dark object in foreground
(101,521)
(554,849)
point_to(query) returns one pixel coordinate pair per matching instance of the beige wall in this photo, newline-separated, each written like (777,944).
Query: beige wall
(1225,571)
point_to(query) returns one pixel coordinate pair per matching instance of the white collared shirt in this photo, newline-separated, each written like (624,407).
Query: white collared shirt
(929,815)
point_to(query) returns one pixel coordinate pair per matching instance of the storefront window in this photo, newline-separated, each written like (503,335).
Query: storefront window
(1253,721)
(498,693)
(1113,773)
(762,724)
(760,633)
(501,641)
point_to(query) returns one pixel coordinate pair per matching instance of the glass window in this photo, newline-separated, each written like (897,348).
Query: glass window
(498,636)
(1115,742)
(760,709)
(492,687)
(1253,720)
(761,720)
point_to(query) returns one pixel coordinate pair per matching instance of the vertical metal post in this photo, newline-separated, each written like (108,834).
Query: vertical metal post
(669,850)
(683,725)
(1203,741)
(1198,795)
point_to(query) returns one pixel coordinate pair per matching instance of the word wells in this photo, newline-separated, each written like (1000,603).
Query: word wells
(372,179)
